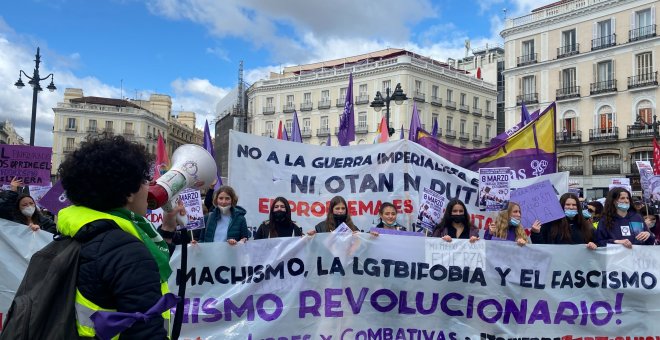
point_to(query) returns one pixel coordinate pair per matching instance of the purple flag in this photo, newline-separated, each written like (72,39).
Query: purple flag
(328,143)
(296,136)
(55,199)
(502,137)
(402,136)
(415,124)
(346,132)
(525,115)
(285,136)
(435,128)
(208,145)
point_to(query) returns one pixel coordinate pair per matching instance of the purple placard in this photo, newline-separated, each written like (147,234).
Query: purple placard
(31,164)
(396,232)
(538,202)
(55,199)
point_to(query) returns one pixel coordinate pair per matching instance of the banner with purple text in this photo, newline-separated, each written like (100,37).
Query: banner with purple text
(31,164)
(262,168)
(357,286)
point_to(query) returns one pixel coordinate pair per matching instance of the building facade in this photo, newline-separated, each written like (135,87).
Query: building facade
(78,118)
(181,130)
(596,59)
(463,105)
(8,134)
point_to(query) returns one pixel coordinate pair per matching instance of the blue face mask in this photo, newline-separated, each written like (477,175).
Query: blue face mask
(586,213)
(514,222)
(570,213)
(623,206)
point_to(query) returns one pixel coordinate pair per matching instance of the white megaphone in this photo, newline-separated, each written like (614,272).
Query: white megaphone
(192,167)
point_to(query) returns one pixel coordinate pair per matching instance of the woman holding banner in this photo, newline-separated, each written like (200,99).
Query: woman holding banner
(279,223)
(26,212)
(226,223)
(337,214)
(387,215)
(456,223)
(508,227)
(571,229)
(620,224)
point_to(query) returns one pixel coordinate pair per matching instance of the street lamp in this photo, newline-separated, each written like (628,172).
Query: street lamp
(36,88)
(398,96)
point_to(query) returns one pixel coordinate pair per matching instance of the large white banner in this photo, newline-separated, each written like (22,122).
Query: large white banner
(262,168)
(343,286)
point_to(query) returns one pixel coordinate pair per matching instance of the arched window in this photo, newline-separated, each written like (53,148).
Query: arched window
(645,111)
(605,119)
(573,164)
(607,164)
(569,124)
(640,156)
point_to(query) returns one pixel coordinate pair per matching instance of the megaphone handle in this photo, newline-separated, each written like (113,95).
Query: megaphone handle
(181,220)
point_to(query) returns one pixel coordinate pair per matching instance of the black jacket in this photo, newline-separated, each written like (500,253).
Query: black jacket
(291,230)
(544,235)
(118,272)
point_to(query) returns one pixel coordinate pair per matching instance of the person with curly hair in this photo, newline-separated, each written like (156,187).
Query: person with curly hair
(279,223)
(508,226)
(455,223)
(571,229)
(26,212)
(124,262)
(226,222)
(620,224)
(337,214)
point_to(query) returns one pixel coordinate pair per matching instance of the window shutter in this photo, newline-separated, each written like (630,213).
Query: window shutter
(595,32)
(614,71)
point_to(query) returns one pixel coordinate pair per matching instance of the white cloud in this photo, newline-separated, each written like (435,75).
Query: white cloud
(218,52)
(199,96)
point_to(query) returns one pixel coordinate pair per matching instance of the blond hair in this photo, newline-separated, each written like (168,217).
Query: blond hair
(502,223)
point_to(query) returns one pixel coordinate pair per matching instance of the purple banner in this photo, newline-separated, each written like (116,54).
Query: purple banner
(31,164)
(55,199)
(396,232)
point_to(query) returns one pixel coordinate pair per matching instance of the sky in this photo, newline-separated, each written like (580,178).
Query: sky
(191,49)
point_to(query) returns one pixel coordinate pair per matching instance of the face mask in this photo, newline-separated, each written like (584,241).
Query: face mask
(339,219)
(570,213)
(28,211)
(279,216)
(514,222)
(623,206)
(225,210)
(586,214)
(458,218)
(650,224)
(390,225)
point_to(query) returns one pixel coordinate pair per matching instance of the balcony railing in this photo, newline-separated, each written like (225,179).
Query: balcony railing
(606,169)
(288,108)
(323,132)
(642,80)
(477,138)
(324,104)
(640,131)
(362,129)
(604,134)
(527,59)
(569,137)
(306,106)
(464,136)
(641,33)
(362,99)
(439,131)
(419,96)
(68,149)
(268,110)
(306,132)
(464,108)
(436,101)
(575,170)
(267,134)
(92,130)
(476,112)
(71,128)
(341,102)
(603,87)
(450,134)
(568,50)
(528,98)
(110,130)
(129,132)
(603,42)
(568,92)
(450,104)
(490,115)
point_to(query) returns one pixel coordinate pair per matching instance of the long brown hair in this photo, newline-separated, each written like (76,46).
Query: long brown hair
(502,223)
(561,226)
(609,210)
(330,219)
(272,232)
(445,222)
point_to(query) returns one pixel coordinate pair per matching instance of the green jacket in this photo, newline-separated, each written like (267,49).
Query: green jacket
(237,227)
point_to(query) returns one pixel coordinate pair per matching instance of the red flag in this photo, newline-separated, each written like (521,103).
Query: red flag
(656,157)
(478,72)
(384,135)
(162,160)
(279,131)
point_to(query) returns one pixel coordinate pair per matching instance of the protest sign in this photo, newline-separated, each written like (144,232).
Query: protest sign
(538,202)
(432,205)
(494,190)
(192,200)
(621,183)
(55,199)
(38,192)
(31,164)
(261,169)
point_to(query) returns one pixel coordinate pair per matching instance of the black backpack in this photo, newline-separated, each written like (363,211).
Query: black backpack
(44,304)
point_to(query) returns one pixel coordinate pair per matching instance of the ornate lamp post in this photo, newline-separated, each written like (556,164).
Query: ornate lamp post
(398,96)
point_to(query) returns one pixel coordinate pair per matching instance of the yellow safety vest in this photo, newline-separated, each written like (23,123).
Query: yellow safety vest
(69,221)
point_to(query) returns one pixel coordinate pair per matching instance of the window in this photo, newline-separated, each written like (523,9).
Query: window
(289,100)
(269,102)
(603,32)
(324,122)
(488,106)
(569,124)
(325,95)
(70,143)
(387,84)
(449,121)
(644,66)
(362,120)
(528,86)
(463,96)
(487,132)
(71,124)
(307,97)
(528,50)
(605,119)
(568,41)
(342,93)
(287,125)
(450,95)
(363,90)
(128,127)
(645,111)
(475,129)
(570,162)
(418,86)
(642,156)
(434,118)
(108,126)
(434,91)
(307,124)
(269,128)
(607,161)
(462,130)
(92,124)
(475,102)
(568,79)
(643,24)
(605,71)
